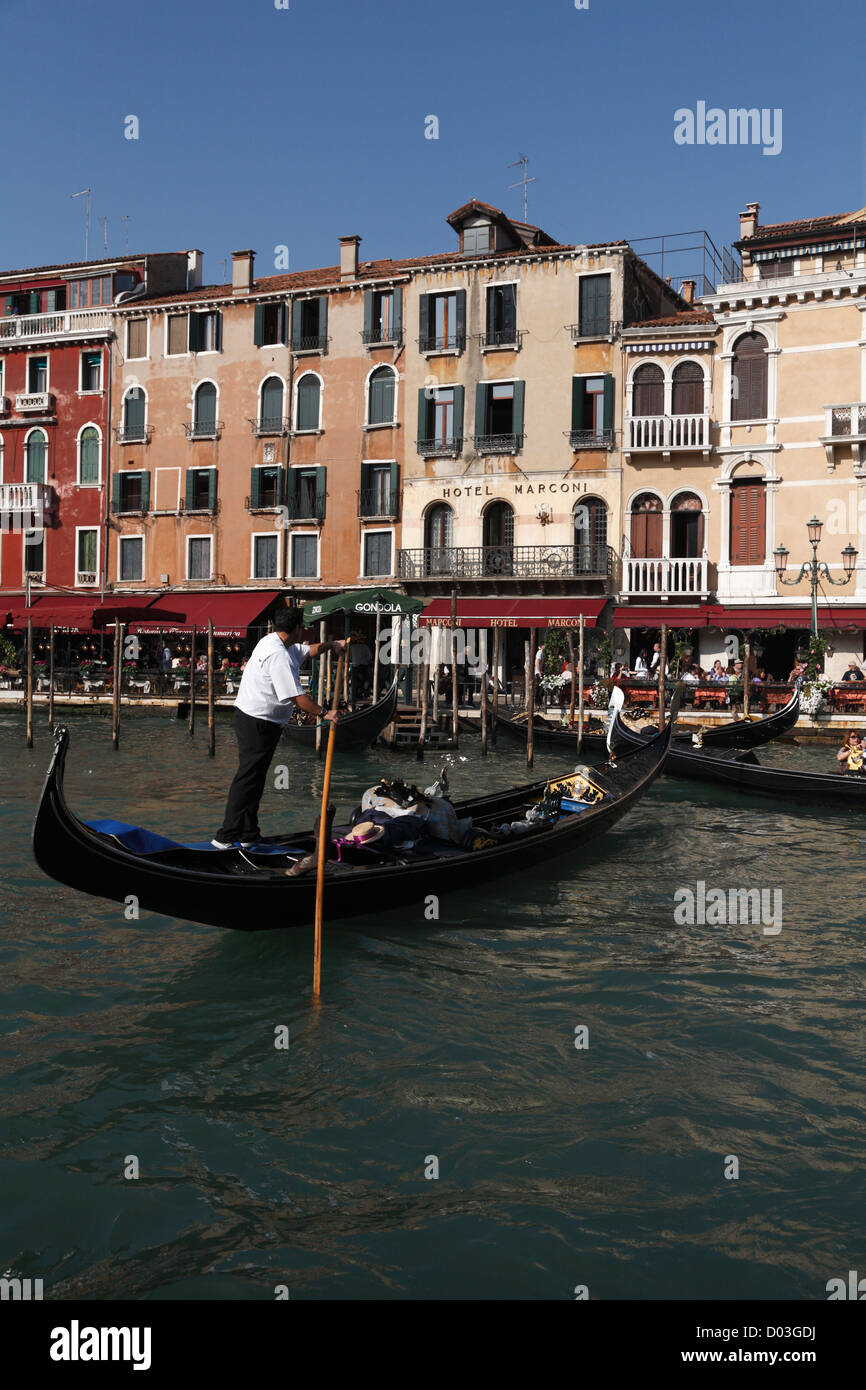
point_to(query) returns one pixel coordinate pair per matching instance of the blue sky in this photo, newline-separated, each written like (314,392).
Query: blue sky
(263,127)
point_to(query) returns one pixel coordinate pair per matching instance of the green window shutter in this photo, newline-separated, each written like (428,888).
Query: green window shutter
(34,301)
(578,393)
(88,468)
(394,483)
(608,404)
(284,324)
(212,489)
(491,310)
(296,324)
(218,331)
(145,492)
(50,301)
(259,325)
(193,340)
(481,407)
(459,397)
(368,315)
(461,317)
(10,304)
(323,316)
(517,417)
(190,488)
(255,487)
(321,476)
(115,493)
(397,312)
(424,320)
(423,415)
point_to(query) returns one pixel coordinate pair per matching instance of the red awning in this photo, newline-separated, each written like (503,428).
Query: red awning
(655,617)
(128,608)
(835,617)
(66,612)
(232,614)
(514,612)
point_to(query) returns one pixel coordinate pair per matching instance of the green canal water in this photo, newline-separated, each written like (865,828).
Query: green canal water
(558,1166)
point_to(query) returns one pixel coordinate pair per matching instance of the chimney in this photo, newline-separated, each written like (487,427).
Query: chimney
(242,271)
(194,261)
(349,257)
(688,291)
(749,220)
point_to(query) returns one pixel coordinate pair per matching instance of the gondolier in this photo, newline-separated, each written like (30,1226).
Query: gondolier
(270,688)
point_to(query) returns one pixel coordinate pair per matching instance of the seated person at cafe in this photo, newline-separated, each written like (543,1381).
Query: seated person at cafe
(850,755)
(853,673)
(718,673)
(641,667)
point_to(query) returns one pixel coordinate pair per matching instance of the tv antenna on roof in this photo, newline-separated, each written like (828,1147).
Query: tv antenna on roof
(125,221)
(524,161)
(85,192)
(104,224)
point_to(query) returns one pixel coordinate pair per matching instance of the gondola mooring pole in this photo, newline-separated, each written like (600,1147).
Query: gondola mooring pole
(580,690)
(571,686)
(455,689)
(747,678)
(497,634)
(483,643)
(425,681)
(323,838)
(376,657)
(321,689)
(28,683)
(663,661)
(436,642)
(346,668)
(192,681)
(115,694)
(211,683)
(530,698)
(51,674)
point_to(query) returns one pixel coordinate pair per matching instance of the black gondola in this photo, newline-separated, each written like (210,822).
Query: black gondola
(741,769)
(745,733)
(358,729)
(249,889)
(546,734)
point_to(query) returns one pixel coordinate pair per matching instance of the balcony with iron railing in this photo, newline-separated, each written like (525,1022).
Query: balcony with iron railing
(133,434)
(501,338)
(590,439)
(451,342)
(306,507)
(65,324)
(665,577)
(445,447)
(311,342)
(505,562)
(379,504)
(382,337)
(269,425)
(667,434)
(845,425)
(203,429)
(593,328)
(498,443)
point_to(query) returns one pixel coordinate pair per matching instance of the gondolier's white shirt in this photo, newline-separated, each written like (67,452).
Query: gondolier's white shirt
(271,679)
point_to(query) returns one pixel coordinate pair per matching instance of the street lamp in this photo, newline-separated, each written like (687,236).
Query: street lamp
(816,569)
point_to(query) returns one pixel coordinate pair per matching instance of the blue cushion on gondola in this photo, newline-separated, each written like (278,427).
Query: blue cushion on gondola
(139,841)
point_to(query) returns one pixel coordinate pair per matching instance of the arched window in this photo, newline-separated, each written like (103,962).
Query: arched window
(648,397)
(438,538)
(271,406)
(204,410)
(134,405)
(309,402)
(688,390)
(36,449)
(646,526)
(498,537)
(88,456)
(749,381)
(590,536)
(380,408)
(687,527)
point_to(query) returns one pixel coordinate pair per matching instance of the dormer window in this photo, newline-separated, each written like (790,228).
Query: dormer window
(477,239)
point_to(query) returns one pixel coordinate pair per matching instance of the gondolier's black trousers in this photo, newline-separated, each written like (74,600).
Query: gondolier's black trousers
(257,742)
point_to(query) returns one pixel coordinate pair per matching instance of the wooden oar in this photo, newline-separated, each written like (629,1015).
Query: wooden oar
(324,832)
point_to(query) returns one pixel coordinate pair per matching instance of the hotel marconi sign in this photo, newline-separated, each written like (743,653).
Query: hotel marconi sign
(569,486)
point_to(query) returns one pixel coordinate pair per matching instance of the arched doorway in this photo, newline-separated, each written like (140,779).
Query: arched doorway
(646,526)
(439,539)
(498,538)
(687,526)
(590,536)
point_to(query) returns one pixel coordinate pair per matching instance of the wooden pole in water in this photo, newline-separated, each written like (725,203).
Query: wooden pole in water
(192,681)
(580,690)
(28,683)
(321,690)
(571,669)
(323,839)
(115,694)
(51,674)
(347,639)
(663,661)
(376,658)
(455,690)
(425,681)
(211,721)
(747,676)
(530,697)
(436,639)
(483,641)
(497,634)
